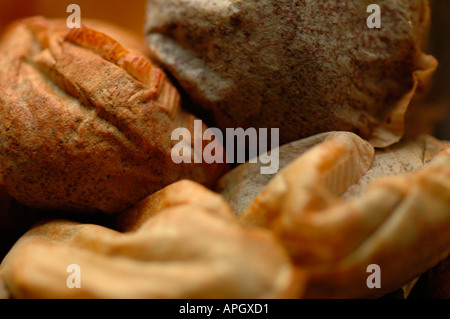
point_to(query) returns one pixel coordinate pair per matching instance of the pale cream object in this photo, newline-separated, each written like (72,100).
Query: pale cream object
(400,222)
(407,156)
(192,248)
(242,185)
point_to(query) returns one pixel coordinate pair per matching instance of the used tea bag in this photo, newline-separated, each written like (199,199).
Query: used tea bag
(305,67)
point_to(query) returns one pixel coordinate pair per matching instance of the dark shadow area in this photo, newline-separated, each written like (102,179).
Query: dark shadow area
(439,47)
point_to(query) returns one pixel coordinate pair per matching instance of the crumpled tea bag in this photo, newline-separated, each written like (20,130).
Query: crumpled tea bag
(242,185)
(187,246)
(86,122)
(409,155)
(399,223)
(305,67)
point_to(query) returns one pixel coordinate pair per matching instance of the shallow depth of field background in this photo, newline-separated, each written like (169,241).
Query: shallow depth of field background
(131,14)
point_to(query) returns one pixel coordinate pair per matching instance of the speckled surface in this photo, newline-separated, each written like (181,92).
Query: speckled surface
(85,124)
(303,66)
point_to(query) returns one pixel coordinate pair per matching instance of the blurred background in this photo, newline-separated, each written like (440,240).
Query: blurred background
(433,112)
(129,13)
(439,46)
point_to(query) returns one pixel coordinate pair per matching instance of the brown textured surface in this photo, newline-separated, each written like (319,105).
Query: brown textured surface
(400,222)
(305,67)
(186,250)
(85,123)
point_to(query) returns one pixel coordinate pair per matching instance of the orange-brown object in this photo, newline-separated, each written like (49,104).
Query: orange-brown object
(130,14)
(180,193)
(188,248)
(85,123)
